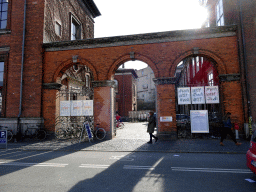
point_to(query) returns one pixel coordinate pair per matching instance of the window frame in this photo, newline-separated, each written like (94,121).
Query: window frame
(220,13)
(78,28)
(4,11)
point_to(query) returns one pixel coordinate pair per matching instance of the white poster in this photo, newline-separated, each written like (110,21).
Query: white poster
(76,108)
(65,108)
(87,107)
(199,121)
(166,119)
(184,96)
(212,94)
(197,94)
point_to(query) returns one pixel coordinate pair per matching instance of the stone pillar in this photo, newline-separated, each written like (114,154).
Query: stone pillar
(166,109)
(49,105)
(104,102)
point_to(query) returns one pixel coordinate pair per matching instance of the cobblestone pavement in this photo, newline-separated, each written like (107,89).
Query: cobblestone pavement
(134,137)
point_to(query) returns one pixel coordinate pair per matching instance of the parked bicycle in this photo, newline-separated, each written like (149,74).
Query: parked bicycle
(34,132)
(9,133)
(68,132)
(97,132)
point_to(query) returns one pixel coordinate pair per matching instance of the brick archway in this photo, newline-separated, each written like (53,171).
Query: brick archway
(134,56)
(69,63)
(219,63)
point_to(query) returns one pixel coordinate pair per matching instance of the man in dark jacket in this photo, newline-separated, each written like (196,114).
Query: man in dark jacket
(151,126)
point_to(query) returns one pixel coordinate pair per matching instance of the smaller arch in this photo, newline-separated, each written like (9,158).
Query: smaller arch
(221,67)
(68,63)
(126,58)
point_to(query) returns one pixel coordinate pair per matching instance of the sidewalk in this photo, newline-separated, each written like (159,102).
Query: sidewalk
(134,138)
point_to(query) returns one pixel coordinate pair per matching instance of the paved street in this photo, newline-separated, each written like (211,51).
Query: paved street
(126,163)
(123,171)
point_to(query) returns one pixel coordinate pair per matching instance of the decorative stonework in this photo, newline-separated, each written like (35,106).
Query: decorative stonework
(165,80)
(107,83)
(229,77)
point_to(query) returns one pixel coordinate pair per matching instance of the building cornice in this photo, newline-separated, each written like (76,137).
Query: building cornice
(148,38)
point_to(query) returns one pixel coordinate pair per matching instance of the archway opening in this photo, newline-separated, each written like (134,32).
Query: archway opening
(197,91)
(74,100)
(135,96)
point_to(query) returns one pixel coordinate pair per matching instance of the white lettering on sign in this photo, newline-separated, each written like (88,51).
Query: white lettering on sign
(2,134)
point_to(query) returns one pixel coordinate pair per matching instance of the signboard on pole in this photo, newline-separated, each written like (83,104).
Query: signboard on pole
(184,96)
(212,94)
(197,94)
(87,108)
(3,138)
(199,121)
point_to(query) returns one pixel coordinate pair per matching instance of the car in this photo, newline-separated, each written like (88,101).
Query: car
(182,118)
(251,154)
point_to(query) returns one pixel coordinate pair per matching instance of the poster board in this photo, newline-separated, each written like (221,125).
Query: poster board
(197,94)
(199,121)
(184,96)
(212,94)
(76,108)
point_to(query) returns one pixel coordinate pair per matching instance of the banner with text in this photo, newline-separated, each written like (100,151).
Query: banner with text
(184,96)
(197,94)
(76,108)
(212,94)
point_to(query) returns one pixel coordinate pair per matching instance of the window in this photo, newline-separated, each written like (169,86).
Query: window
(58,28)
(210,79)
(3,13)
(197,64)
(193,66)
(75,29)
(219,13)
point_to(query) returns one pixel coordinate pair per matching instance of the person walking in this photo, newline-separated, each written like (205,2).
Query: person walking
(151,127)
(227,129)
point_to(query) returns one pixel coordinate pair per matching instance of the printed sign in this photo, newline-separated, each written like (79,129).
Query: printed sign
(76,108)
(166,119)
(197,94)
(87,107)
(3,137)
(65,108)
(212,94)
(88,130)
(184,96)
(199,121)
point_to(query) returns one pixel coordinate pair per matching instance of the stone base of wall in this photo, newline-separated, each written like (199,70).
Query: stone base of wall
(167,136)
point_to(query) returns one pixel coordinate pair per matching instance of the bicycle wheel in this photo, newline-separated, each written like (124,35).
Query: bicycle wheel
(100,133)
(60,134)
(41,135)
(9,136)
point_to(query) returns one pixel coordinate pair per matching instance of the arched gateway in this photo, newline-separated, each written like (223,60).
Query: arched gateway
(162,52)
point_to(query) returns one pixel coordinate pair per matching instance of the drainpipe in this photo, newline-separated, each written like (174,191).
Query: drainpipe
(244,59)
(22,65)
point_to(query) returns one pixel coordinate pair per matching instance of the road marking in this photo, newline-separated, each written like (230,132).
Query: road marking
(138,167)
(123,157)
(213,170)
(94,166)
(250,180)
(32,164)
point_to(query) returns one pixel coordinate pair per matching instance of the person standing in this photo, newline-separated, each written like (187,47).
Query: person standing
(227,129)
(151,127)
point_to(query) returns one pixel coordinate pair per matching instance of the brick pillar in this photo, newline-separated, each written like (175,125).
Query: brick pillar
(166,109)
(104,111)
(49,105)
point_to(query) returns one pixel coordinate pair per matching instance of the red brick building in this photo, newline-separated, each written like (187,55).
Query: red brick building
(33,66)
(126,91)
(24,26)
(242,14)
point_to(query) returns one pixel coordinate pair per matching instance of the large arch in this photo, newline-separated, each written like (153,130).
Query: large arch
(70,62)
(132,56)
(221,67)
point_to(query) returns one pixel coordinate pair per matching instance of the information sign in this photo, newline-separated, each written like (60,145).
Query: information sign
(3,138)
(184,96)
(197,94)
(212,94)
(88,130)
(76,108)
(199,121)
(166,119)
